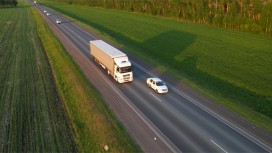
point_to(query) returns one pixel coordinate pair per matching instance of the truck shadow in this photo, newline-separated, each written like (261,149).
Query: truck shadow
(167,45)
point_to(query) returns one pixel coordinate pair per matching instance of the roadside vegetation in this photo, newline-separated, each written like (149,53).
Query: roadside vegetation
(8,3)
(32,117)
(95,125)
(234,68)
(253,16)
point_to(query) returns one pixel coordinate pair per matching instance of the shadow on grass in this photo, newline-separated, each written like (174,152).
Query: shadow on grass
(168,44)
(65,22)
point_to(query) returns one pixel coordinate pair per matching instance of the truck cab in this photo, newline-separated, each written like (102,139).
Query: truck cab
(123,70)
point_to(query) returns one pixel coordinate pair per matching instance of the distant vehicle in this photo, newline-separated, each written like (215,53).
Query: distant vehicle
(157,84)
(47,14)
(58,21)
(113,60)
(44,11)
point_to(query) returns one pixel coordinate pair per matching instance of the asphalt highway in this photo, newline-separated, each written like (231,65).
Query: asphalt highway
(186,124)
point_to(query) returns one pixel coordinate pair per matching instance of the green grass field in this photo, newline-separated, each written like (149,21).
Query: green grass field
(32,117)
(232,67)
(95,125)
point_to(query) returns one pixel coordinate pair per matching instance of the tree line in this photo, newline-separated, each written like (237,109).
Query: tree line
(243,15)
(8,3)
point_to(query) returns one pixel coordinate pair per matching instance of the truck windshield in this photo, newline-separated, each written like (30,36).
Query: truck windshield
(125,69)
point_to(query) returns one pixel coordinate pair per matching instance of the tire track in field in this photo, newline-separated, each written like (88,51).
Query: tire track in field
(39,142)
(8,84)
(26,69)
(3,58)
(16,114)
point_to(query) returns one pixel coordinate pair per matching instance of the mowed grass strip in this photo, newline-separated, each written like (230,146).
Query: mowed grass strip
(32,117)
(95,125)
(232,67)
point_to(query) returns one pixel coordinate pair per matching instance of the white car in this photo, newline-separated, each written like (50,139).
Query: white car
(58,21)
(157,84)
(47,14)
(45,11)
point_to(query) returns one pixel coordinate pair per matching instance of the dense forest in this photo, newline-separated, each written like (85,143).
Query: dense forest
(243,15)
(8,3)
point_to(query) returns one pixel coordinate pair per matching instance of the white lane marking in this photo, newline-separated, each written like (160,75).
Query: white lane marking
(218,146)
(155,96)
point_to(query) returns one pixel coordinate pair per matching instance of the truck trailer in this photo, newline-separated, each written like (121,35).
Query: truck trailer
(113,60)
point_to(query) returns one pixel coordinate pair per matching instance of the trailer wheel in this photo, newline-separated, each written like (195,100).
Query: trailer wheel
(108,72)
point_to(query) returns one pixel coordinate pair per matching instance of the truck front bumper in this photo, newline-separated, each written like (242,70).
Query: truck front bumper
(123,80)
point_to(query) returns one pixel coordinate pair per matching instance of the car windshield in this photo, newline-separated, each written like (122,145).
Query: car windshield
(125,69)
(160,83)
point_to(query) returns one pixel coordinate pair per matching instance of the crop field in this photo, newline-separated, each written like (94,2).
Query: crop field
(32,116)
(232,67)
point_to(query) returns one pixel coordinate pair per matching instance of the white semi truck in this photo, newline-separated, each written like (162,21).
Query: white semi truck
(113,60)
